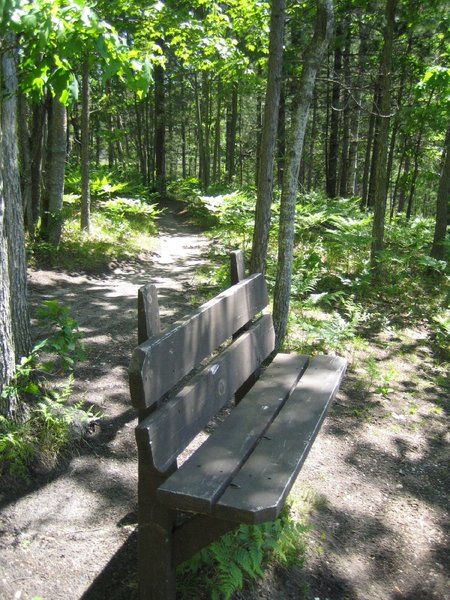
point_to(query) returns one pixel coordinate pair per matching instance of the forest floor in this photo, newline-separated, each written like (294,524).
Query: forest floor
(375,488)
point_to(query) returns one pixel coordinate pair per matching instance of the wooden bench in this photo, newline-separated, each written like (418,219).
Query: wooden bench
(179,380)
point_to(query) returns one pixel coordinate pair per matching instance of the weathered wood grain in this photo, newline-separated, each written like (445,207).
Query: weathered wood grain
(149,323)
(237,266)
(200,481)
(160,363)
(258,491)
(169,430)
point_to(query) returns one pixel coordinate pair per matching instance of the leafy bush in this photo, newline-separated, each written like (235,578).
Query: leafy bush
(225,566)
(440,325)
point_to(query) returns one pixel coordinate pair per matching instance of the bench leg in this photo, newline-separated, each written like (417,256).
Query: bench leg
(155,542)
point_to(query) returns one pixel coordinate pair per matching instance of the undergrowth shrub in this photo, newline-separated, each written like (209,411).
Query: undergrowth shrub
(123,220)
(46,425)
(241,556)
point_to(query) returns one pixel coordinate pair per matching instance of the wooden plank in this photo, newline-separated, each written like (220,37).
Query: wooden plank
(197,533)
(237,266)
(149,323)
(200,481)
(167,431)
(161,362)
(258,491)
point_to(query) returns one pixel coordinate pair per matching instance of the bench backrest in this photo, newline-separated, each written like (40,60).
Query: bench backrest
(160,363)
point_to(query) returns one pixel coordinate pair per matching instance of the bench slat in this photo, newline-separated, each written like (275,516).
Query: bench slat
(258,491)
(161,362)
(167,431)
(197,485)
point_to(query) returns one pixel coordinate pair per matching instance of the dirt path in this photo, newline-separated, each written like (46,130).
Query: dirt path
(377,479)
(58,538)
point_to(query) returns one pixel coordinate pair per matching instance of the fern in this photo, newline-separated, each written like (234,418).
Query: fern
(240,556)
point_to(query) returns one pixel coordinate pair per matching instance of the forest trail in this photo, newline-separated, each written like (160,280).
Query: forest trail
(57,538)
(377,480)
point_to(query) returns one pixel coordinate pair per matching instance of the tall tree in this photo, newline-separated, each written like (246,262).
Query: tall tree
(13,203)
(439,249)
(268,138)
(312,59)
(85,126)
(55,172)
(383,118)
(15,339)
(333,147)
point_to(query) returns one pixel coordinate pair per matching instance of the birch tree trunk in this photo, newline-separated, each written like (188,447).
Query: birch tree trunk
(268,139)
(312,60)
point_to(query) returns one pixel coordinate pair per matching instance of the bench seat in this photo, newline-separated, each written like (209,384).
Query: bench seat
(246,468)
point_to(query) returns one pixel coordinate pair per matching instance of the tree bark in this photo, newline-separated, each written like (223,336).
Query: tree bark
(55,171)
(37,151)
(439,249)
(231,129)
(25,162)
(311,63)
(312,143)
(346,121)
(353,183)
(333,149)
(160,130)
(7,359)
(268,139)
(217,136)
(20,322)
(380,191)
(85,118)
(368,158)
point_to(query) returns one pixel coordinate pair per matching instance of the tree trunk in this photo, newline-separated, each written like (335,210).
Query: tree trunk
(333,148)
(37,151)
(85,185)
(231,129)
(345,157)
(281,143)
(368,159)
(438,249)
(353,182)
(160,130)
(7,359)
(217,135)
(202,111)
(13,208)
(397,180)
(383,135)
(25,162)
(311,63)
(402,184)
(140,144)
(268,139)
(55,171)
(312,143)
